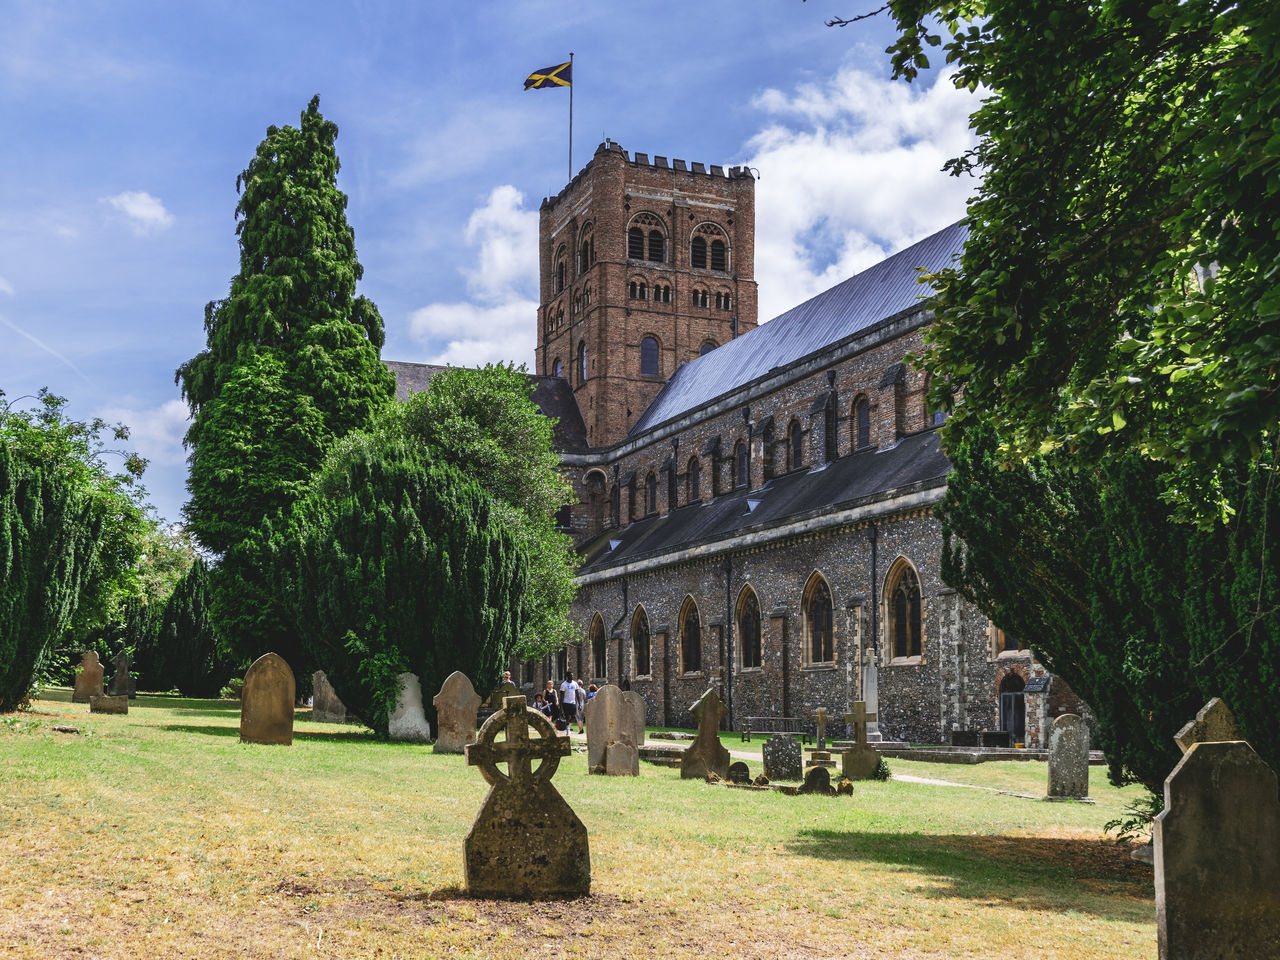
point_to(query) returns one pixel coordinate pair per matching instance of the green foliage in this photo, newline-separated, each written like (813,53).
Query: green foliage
(291,364)
(1145,618)
(184,653)
(882,771)
(395,562)
(1136,821)
(1118,288)
(485,423)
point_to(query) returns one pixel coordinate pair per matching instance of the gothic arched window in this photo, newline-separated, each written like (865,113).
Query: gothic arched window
(795,446)
(902,597)
(698,254)
(635,244)
(819,617)
(695,480)
(748,621)
(706,348)
(598,649)
(690,638)
(649,357)
(640,642)
(555,369)
(741,462)
(651,493)
(861,423)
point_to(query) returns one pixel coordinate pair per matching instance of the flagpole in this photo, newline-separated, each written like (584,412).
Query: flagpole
(570,116)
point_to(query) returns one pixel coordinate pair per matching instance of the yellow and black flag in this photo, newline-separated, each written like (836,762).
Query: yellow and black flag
(560,75)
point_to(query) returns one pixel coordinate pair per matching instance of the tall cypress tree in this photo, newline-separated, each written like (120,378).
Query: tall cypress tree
(291,363)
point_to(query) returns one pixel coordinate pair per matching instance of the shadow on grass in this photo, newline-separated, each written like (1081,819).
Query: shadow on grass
(337,736)
(1071,875)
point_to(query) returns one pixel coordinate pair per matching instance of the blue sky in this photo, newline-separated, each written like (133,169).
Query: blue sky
(123,126)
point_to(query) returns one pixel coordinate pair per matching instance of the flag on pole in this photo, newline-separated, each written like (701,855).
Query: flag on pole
(560,75)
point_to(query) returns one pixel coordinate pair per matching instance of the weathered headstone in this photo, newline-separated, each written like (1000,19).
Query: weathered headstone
(783,759)
(820,722)
(860,761)
(266,702)
(615,731)
(1217,872)
(408,721)
(1069,757)
(122,685)
(871,694)
(326,707)
(1214,723)
(706,754)
(526,841)
(818,780)
(456,705)
(500,694)
(99,704)
(88,678)
(739,772)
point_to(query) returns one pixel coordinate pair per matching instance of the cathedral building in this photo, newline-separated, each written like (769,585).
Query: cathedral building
(755,502)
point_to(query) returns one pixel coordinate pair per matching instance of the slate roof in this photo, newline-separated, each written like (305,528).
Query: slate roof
(879,292)
(860,477)
(552,395)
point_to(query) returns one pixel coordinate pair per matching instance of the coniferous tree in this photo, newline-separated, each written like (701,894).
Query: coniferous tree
(291,364)
(185,654)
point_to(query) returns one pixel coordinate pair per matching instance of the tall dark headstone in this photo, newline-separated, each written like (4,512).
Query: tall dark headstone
(706,754)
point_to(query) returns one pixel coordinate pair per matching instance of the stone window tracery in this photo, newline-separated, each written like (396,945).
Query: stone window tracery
(819,614)
(748,623)
(640,642)
(904,621)
(598,649)
(690,638)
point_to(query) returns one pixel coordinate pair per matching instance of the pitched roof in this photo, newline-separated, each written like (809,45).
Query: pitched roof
(850,481)
(885,290)
(551,395)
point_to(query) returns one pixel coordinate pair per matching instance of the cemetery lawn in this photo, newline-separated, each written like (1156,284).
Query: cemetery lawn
(159,835)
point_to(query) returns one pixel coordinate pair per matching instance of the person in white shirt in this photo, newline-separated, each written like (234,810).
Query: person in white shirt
(570,701)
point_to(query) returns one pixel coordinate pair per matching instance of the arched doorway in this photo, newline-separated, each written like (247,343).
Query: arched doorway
(1013,707)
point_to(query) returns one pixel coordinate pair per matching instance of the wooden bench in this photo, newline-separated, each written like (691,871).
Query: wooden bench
(790,726)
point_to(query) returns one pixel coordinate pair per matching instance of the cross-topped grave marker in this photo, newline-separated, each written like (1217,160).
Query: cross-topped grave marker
(820,718)
(860,761)
(526,842)
(706,754)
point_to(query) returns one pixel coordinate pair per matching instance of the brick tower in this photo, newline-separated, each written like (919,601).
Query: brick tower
(644,265)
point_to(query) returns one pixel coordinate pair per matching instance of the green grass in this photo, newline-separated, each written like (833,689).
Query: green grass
(159,834)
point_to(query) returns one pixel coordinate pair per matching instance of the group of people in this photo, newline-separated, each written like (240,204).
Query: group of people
(565,705)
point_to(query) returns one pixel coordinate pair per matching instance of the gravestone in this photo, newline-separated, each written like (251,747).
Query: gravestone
(500,694)
(995,738)
(860,761)
(783,759)
(1214,723)
(408,721)
(820,722)
(456,705)
(266,702)
(615,731)
(739,772)
(99,704)
(818,780)
(526,841)
(1069,757)
(1217,872)
(88,678)
(871,696)
(325,705)
(122,685)
(706,754)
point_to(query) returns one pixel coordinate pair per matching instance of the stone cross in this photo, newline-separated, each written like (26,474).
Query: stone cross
(526,842)
(858,718)
(820,718)
(706,754)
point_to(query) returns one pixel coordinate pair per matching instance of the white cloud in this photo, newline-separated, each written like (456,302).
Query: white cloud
(154,432)
(851,172)
(499,321)
(7,287)
(146,214)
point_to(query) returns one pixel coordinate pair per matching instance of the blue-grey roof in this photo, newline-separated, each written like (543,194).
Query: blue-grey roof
(885,290)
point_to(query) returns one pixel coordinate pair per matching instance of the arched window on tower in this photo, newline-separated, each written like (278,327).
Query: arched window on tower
(719,261)
(635,244)
(657,246)
(690,638)
(555,368)
(748,623)
(560,276)
(644,291)
(861,421)
(902,595)
(649,357)
(741,463)
(698,254)
(706,348)
(633,290)
(795,446)
(819,622)
(582,362)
